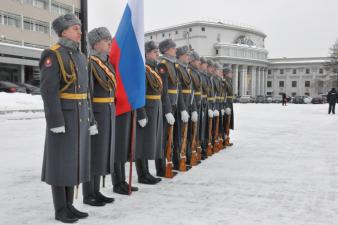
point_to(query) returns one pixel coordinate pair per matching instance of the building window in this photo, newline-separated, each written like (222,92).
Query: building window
(10,19)
(216,51)
(294,71)
(151,37)
(41,4)
(281,83)
(169,34)
(307,71)
(176,32)
(163,35)
(35,25)
(269,72)
(269,83)
(203,28)
(190,29)
(294,83)
(268,93)
(281,71)
(293,94)
(307,83)
(321,71)
(307,93)
(60,8)
(77,12)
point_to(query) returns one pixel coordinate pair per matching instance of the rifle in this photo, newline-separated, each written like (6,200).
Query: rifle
(183,156)
(227,139)
(216,141)
(169,166)
(193,159)
(220,143)
(209,148)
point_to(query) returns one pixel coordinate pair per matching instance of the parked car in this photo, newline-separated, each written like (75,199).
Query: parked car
(6,86)
(236,99)
(268,99)
(245,99)
(317,100)
(260,99)
(30,89)
(307,99)
(298,100)
(277,99)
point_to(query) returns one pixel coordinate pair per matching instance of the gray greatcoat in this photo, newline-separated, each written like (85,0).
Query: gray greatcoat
(149,138)
(103,144)
(66,160)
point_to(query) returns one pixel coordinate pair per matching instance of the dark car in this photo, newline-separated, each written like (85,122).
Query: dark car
(317,100)
(260,99)
(9,87)
(30,89)
(298,100)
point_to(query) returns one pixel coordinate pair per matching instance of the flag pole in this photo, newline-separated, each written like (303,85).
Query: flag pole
(84,27)
(132,133)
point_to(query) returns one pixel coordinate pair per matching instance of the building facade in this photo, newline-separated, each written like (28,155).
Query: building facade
(25,30)
(243,48)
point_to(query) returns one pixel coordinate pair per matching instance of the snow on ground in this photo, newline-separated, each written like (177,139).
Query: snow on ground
(283,169)
(19,101)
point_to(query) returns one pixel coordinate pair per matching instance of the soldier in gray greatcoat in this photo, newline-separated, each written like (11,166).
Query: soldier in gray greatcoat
(150,122)
(103,87)
(167,71)
(69,122)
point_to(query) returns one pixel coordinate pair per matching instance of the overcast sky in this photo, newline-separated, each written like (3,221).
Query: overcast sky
(294,28)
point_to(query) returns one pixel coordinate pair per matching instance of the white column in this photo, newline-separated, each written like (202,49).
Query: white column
(265,80)
(258,86)
(235,79)
(244,73)
(22,74)
(261,80)
(253,81)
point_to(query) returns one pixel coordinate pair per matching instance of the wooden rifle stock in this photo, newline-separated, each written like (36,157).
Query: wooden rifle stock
(209,148)
(169,166)
(220,143)
(183,156)
(216,141)
(193,159)
(227,139)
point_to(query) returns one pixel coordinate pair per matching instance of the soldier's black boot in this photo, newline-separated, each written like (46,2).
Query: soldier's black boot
(89,196)
(125,184)
(160,165)
(118,188)
(142,173)
(97,192)
(70,198)
(62,213)
(151,177)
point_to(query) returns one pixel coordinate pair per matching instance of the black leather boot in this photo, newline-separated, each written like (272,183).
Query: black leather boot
(117,179)
(89,196)
(151,177)
(126,185)
(62,213)
(97,192)
(70,198)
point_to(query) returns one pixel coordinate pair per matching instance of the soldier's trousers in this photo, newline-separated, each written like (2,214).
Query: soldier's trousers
(91,187)
(332,108)
(142,167)
(62,197)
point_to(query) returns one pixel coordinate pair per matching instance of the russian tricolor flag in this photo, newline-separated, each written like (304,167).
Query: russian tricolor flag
(127,56)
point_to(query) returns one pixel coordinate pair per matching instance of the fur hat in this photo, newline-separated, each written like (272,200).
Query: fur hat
(166,44)
(149,46)
(97,34)
(63,22)
(182,50)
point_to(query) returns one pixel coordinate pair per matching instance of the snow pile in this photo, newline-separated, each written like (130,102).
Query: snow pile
(20,101)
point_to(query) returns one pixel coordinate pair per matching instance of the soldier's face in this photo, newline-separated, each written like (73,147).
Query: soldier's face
(204,66)
(196,63)
(171,52)
(103,46)
(229,75)
(153,55)
(73,33)
(185,58)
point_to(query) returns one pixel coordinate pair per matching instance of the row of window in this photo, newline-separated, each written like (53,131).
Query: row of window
(294,71)
(176,32)
(55,6)
(293,83)
(293,94)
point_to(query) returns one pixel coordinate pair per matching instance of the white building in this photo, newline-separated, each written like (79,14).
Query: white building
(243,48)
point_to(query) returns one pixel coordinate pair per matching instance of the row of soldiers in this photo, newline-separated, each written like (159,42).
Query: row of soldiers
(186,118)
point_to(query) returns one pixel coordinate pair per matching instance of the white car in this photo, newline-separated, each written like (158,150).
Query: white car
(307,100)
(245,99)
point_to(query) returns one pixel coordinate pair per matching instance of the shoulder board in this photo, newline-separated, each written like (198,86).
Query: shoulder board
(177,65)
(163,61)
(55,47)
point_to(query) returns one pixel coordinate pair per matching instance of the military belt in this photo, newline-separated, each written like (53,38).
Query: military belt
(197,93)
(230,97)
(186,91)
(103,100)
(172,91)
(153,97)
(204,96)
(73,96)
(211,99)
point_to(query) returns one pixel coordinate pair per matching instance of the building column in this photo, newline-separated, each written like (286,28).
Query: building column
(253,81)
(22,74)
(261,81)
(244,73)
(235,79)
(265,80)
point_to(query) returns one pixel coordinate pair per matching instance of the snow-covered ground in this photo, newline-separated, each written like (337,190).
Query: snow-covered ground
(19,101)
(283,169)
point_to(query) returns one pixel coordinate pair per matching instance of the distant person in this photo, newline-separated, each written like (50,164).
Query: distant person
(332,100)
(284,99)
